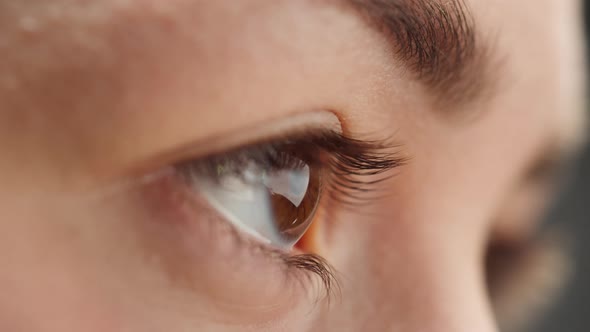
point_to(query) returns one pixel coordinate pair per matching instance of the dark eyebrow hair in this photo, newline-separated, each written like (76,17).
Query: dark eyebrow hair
(438,41)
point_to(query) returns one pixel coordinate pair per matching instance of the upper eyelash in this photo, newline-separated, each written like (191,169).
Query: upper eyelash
(346,161)
(355,164)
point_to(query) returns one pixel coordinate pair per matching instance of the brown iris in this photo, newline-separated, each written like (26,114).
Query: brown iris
(292,217)
(271,194)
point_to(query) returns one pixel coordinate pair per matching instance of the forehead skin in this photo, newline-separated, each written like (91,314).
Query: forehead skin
(92,89)
(156,82)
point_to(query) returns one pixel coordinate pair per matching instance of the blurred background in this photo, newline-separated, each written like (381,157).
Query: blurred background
(572,211)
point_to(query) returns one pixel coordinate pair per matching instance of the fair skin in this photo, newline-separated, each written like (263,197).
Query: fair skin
(100,99)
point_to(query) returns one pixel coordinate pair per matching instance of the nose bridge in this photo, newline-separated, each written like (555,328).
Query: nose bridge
(418,285)
(431,287)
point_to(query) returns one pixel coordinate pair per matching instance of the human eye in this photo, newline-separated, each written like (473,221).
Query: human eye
(239,220)
(271,191)
(252,206)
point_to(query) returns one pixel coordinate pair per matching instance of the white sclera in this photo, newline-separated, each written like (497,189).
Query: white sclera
(246,202)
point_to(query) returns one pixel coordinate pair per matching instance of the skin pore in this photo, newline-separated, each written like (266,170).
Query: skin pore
(101,99)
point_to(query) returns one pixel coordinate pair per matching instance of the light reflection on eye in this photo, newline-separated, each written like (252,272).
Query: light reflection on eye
(274,202)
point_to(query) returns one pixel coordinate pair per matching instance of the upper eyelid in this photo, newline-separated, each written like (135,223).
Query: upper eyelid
(352,167)
(371,157)
(293,125)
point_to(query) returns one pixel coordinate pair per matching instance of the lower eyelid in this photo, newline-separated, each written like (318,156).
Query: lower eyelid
(205,242)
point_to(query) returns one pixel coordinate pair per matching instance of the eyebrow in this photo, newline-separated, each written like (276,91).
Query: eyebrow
(437,40)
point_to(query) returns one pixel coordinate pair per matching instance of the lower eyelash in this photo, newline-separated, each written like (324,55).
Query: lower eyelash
(311,264)
(168,192)
(318,266)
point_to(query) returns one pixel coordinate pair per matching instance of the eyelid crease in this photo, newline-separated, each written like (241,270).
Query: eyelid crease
(296,124)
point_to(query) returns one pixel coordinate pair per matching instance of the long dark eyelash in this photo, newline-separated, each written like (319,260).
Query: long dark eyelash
(319,267)
(357,166)
(353,167)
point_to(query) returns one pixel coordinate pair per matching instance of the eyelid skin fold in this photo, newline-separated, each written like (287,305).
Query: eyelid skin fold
(224,141)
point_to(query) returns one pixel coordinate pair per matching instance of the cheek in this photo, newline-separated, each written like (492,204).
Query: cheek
(138,259)
(47,282)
